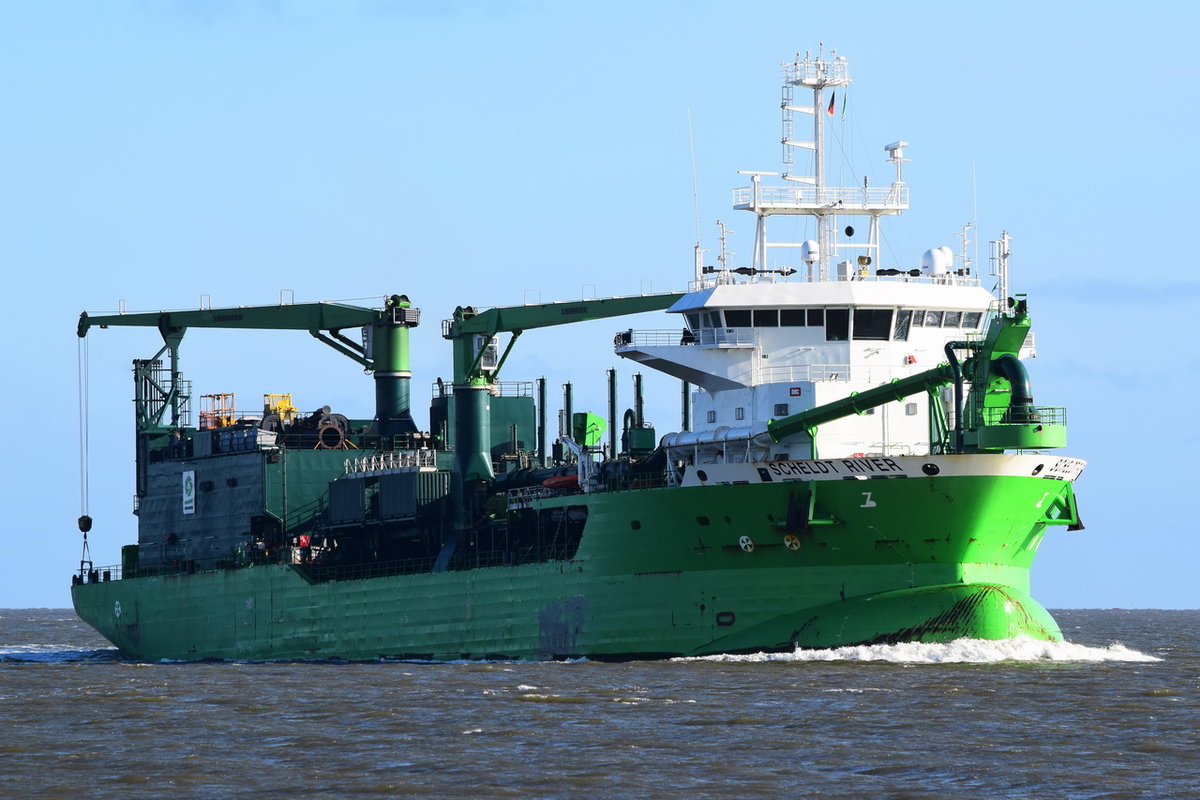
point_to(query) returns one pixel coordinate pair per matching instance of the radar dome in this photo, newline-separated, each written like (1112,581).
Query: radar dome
(937,261)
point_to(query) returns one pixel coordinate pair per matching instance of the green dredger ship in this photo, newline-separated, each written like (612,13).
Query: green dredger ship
(827,487)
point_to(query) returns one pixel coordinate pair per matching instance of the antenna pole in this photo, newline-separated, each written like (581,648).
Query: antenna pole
(1000,252)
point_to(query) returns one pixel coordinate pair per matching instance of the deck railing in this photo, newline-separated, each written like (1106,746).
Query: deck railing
(854,197)
(706,337)
(1025,415)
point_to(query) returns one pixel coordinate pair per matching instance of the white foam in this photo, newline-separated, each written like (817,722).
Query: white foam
(52,652)
(960,651)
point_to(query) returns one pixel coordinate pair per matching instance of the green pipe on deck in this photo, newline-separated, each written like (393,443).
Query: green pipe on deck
(393,374)
(472,450)
(859,402)
(473,432)
(612,413)
(541,421)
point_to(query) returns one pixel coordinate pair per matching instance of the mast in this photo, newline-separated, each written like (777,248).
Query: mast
(810,195)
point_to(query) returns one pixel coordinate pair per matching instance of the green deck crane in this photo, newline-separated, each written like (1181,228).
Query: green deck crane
(472,331)
(385,354)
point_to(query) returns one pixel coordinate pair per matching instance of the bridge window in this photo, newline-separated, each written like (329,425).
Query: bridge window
(693,320)
(903,320)
(837,324)
(766,318)
(928,318)
(792,317)
(816,317)
(874,324)
(737,318)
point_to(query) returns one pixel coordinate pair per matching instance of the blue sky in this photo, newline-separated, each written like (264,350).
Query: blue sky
(489,153)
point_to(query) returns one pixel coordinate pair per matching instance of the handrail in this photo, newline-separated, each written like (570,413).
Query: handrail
(1025,415)
(391,460)
(706,337)
(728,278)
(442,388)
(811,197)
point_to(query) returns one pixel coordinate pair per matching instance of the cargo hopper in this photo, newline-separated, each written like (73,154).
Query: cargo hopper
(859,460)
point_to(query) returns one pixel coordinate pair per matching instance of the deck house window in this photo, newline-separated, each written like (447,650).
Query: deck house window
(953,319)
(837,324)
(971,319)
(873,324)
(793,317)
(903,320)
(933,319)
(766,318)
(816,317)
(737,318)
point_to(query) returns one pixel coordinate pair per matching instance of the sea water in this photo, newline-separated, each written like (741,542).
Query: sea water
(1112,713)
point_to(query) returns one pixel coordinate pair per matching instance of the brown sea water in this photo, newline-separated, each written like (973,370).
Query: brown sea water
(1113,713)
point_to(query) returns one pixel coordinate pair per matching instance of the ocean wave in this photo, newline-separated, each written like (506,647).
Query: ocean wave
(960,651)
(55,654)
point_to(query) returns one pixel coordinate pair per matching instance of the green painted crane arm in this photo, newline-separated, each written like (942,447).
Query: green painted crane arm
(301,316)
(523,318)
(859,402)
(1006,334)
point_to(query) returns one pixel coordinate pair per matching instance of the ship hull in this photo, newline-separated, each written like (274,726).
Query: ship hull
(724,567)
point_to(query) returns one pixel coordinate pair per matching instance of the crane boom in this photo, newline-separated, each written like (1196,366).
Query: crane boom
(467,324)
(300,316)
(388,357)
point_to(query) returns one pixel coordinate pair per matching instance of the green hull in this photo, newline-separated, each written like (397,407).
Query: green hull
(659,572)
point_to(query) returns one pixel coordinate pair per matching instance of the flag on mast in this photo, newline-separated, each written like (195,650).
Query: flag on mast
(832,100)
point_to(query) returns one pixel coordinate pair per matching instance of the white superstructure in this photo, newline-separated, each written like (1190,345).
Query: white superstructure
(811,322)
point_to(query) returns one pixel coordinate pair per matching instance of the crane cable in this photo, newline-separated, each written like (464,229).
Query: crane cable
(85,521)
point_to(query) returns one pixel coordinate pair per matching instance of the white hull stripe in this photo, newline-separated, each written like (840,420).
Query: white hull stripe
(882,467)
